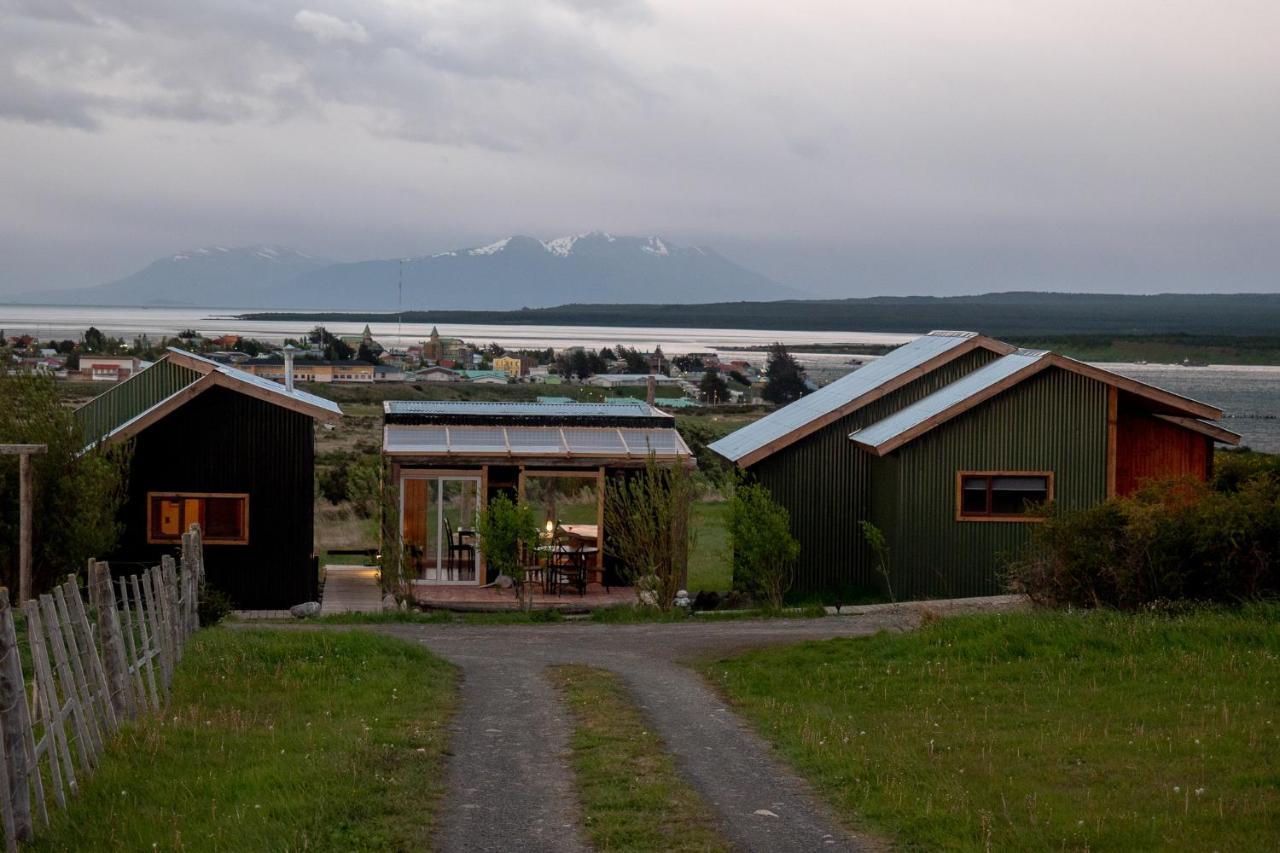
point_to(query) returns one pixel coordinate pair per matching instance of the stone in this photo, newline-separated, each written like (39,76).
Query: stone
(307,608)
(648,598)
(389,603)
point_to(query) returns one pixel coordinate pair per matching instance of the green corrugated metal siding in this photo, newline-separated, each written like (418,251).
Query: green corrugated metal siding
(132,397)
(822,481)
(1056,421)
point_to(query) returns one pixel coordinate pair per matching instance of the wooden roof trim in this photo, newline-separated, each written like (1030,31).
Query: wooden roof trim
(283,400)
(160,410)
(888,387)
(1213,431)
(1141,389)
(957,409)
(178,357)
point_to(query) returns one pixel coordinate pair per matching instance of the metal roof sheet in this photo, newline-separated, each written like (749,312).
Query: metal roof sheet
(263,383)
(593,442)
(445,409)
(840,393)
(944,398)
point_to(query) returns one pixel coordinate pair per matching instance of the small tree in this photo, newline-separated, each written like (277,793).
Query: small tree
(785,382)
(647,516)
(880,550)
(77,494)
(764,550)
(713,387)
(508,529)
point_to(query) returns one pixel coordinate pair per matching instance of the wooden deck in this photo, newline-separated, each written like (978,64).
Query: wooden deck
(483,598)
(351,589)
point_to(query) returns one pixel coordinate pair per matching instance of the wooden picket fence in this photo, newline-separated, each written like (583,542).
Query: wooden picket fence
(91,669)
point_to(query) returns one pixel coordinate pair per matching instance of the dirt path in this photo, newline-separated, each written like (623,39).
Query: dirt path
(509,787)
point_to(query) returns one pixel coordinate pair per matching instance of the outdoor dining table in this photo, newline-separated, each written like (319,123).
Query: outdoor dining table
(580,568)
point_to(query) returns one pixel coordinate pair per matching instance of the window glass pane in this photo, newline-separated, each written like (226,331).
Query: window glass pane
(1013,495)
(224,518)
(973,495)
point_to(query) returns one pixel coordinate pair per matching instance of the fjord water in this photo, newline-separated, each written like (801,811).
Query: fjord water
(1248,395)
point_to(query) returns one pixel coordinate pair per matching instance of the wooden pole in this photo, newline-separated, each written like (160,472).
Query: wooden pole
(103,599)
(25,499)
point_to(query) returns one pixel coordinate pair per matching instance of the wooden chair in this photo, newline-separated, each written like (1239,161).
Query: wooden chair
(566,564)
(457,550)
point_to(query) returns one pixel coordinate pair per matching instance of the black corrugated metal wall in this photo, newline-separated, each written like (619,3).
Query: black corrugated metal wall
(224,441)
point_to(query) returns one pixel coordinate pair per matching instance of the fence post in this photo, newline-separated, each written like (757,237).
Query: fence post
(168,606)
(13,721)
(102,597)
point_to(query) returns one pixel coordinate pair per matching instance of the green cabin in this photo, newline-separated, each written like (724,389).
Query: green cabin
(948,444)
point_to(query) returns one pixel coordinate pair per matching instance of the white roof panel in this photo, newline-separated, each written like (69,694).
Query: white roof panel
(838,394)
(944,398)
(263,383)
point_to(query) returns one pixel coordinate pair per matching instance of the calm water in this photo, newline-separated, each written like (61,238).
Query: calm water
(1250,396)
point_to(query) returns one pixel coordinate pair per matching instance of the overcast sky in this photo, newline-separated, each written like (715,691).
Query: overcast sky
(848,148)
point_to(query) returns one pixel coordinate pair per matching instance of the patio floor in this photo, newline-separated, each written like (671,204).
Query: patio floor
(351,589)
(462,597)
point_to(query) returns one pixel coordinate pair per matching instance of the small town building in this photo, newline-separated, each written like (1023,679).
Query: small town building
(485,377)
(310,369)
(950,444)
(437,348)
(108,368)
(448,459)
(230,450)
(436,373)
(513,366)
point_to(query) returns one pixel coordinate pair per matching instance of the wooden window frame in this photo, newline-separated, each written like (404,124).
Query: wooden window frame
(152,539)
(1018,518)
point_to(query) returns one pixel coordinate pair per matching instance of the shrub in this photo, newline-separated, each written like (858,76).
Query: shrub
(647,517)
(1176,540)
(764,551)
(507,529)
(214,606)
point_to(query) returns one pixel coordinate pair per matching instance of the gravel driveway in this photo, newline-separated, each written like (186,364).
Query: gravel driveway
(509,786)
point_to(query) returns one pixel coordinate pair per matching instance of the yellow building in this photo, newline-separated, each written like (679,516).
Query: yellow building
(310,370)
(510,365)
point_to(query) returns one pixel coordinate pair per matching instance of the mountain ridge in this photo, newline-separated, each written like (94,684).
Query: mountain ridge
(513,272)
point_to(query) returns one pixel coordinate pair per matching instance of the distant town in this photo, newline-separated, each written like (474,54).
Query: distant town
(618,373)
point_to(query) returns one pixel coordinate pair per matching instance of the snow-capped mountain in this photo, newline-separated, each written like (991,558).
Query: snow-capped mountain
(521,271)
(513,272)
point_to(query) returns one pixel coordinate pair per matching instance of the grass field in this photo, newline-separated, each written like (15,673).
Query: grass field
(1036,731)
(276,740)
(710,560)
(632,797)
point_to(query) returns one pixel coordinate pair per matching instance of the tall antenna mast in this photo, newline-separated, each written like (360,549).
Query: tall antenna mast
(400,305)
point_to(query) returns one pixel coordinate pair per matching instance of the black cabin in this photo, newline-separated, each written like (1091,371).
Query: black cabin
(231,451)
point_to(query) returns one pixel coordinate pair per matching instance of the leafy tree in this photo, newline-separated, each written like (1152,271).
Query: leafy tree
(713,388)
(737,376)
(77,495)
(764,550)
(365,354)
(785,382)
(94,340)
(633,358)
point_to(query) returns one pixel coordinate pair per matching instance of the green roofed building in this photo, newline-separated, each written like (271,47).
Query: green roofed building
(950,444)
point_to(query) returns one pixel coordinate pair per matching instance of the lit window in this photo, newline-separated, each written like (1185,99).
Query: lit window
(1004,495)
(224,519)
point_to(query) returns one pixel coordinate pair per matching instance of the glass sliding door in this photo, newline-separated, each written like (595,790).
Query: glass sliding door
(439,517)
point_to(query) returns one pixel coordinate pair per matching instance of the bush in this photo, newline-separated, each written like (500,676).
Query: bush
(764,551)
(507,530)
(1176,540)
(647,516)
(214,606)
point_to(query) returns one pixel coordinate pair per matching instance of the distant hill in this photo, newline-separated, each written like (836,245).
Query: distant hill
(243,277)
(513,272)
(1013,315)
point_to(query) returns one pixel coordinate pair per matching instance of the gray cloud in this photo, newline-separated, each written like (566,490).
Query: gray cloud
(844,146)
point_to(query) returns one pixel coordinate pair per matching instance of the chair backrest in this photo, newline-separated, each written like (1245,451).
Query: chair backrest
(448,532)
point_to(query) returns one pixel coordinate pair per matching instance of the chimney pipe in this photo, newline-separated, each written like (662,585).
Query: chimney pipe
(289,350)
(651,390)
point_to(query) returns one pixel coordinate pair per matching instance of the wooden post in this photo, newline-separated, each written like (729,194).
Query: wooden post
(53,716)
(102,597)
(13,721)
(70,692)
(25,499)
(147,658)
(77,669)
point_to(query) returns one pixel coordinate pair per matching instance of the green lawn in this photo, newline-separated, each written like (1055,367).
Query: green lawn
(710,566)
(631,794)
(276,740)
(1035,731)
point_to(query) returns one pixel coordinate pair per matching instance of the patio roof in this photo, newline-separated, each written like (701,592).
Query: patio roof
(466,412)
(599,444)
